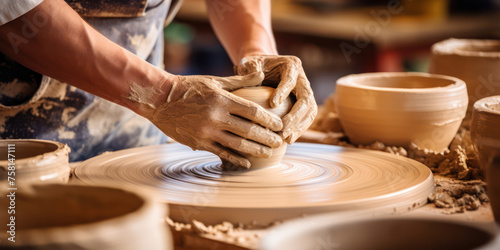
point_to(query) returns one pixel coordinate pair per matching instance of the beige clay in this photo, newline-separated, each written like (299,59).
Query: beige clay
(56,216)
(261,95)
(36,161)
(476,62)
(311,178)
(400,108)
(485,133)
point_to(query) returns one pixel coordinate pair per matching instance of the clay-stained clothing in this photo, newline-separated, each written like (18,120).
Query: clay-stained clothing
(36,106)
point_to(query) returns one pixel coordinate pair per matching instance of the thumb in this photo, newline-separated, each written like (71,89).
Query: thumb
(231,83)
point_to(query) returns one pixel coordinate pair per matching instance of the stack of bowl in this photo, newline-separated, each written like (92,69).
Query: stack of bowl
(476,62)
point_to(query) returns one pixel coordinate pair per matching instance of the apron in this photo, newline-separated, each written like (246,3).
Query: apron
(33,106)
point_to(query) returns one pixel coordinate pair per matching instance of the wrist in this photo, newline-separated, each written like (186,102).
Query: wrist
(146,98)
(255,50)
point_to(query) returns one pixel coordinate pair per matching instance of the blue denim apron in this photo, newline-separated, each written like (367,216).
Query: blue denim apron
(39,107)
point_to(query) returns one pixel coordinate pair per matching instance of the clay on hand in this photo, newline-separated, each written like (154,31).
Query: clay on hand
(287,75)
(261,96)
(201,114)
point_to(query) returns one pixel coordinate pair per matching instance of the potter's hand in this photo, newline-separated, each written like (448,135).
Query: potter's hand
(200,113)
(288,72)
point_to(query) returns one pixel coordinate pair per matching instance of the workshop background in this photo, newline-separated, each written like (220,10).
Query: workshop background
(334,38)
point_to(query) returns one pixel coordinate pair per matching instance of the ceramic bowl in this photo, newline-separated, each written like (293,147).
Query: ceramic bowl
(58,216)
(485,134)
(36,161)
(399,108)
(333,231)
(474,61)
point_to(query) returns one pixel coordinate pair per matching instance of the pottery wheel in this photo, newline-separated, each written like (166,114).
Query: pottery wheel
(312,178)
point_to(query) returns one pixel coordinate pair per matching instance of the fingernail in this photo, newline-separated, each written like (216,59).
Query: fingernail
(278,125)
(277,141)
(275,102)
(282,99)
(290,139)
(287,133)
(266,153)
(244,164)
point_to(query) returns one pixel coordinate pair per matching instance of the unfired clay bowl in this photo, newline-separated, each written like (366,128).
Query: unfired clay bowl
(399,108)
(476,62)
(365,231)
(485,134)
(57,216)
(261,95)
(36,161)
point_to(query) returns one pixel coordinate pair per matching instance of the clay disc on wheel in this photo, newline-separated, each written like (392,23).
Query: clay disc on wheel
(312,178)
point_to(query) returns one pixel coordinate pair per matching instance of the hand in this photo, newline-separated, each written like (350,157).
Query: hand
(200,113)
(287,73)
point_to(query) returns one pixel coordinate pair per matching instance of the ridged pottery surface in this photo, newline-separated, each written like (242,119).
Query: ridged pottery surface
(35,161)
(368,231)
(311,178)
(59,216)
(485,134)
(261,95)
(476,62)
(399,108)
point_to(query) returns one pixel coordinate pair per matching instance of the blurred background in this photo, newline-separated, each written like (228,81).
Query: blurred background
(335,38)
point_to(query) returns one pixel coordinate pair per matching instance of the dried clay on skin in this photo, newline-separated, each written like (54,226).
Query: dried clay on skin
(200,112)
(287,75)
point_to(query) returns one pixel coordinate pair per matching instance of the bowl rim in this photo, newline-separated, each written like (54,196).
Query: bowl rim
(149,207)
(455,46)
(327,220)
(481,105)
(348,81)
(61,151)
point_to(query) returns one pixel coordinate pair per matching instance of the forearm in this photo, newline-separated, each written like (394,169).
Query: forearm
(65,47)
(243,27)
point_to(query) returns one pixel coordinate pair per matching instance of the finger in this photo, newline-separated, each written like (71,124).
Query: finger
(288,82)
(252,132)
(254,113)
(302,126)
(227,155)
(230,166)
(236,82)
(292,119)
(305,101)
(243,145)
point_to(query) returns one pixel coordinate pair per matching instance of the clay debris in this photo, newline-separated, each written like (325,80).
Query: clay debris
(458,196)
(241,234)
(463,188)
(327,119)
(460,161)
